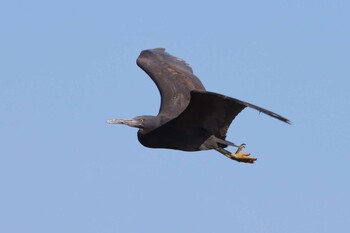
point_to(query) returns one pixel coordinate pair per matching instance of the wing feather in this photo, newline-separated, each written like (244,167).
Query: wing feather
(174,79)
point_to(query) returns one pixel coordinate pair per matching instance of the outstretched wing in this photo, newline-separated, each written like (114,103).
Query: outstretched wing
(214,113)
(246,104)
(173,77)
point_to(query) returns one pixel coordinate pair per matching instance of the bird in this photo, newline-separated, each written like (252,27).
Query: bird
(190,118)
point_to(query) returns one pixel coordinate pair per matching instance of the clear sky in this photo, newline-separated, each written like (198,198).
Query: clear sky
(68,66)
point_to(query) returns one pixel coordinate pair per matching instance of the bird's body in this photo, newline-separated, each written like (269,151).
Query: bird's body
(190,118)
(202,125)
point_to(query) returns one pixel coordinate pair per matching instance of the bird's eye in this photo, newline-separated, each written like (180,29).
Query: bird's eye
(141,120)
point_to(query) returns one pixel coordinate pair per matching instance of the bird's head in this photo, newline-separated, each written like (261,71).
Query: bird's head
(144,123)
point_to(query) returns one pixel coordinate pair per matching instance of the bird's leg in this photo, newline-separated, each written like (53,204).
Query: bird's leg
(238,156)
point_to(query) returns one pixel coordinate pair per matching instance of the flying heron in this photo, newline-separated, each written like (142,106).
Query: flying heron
(190,118)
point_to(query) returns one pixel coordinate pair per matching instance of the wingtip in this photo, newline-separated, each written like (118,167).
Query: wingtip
(160,49)
(277,116)
(285,120)
(144,54)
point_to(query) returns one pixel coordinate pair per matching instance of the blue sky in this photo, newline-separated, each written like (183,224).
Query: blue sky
(68,66)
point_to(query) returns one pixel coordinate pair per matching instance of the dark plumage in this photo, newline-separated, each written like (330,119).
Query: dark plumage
(190,118)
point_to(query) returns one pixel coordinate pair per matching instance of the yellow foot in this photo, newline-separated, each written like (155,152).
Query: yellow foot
(242,157)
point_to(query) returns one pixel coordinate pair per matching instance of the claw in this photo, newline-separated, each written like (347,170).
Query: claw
(240,148)
(242,157)
(238,156)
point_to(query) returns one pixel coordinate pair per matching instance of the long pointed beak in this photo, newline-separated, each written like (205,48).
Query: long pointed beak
(132,122)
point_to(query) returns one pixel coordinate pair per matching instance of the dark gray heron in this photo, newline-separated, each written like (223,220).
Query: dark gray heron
(190,118)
